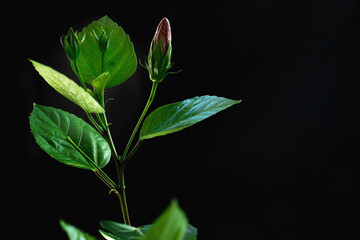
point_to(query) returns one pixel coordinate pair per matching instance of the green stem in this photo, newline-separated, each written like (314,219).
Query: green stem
(137,145)
(79,74)
(96,125)
(120,189)
(104,123)
(104,180)
(114,154)
(103,127)
(150,100)
(122,197)
(121,165)
(101,121)
(102,62)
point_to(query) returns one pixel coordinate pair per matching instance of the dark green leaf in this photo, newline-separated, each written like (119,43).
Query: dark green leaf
(75,233)
(177,116)
(120,231)
(170,225)
(119,59)
(53,128)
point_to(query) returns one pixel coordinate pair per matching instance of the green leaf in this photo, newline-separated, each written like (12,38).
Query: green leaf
(190,234)
(75,233)
(99,85)
(177,116)
(115,230)
(68,88)
(171,225)
(119,58)
(100,82)
(110,236)
(68,139)
(120,231)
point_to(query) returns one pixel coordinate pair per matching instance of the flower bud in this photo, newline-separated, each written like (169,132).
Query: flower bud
(71,44)
(158,60)
(103,41)
(163,33)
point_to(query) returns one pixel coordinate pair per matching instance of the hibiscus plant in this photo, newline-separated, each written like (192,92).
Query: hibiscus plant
(102,57)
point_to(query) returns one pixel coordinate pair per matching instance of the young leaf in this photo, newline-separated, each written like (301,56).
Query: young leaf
(100,82)
(75,233)
(177,116)
(99,85)
(68,139)
(119,59)
(171,225)
(68,88)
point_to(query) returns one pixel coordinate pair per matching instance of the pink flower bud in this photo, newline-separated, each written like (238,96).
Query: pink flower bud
(163,32)
(158,60)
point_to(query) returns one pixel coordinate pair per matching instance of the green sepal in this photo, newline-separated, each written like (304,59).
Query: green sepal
(158,63)
(103,42)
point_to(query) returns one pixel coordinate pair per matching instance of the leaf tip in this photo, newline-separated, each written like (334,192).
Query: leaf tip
(35,105)
(35,64)
(32,61)
(63,224)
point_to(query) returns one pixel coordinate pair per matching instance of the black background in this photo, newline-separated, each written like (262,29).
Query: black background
(283,164)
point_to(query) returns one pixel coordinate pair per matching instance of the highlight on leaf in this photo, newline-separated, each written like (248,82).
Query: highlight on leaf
(178,116)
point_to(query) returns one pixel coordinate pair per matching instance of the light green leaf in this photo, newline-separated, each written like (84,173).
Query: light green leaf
(75,233)
(177,116)
(99,85)
(101,81)
(171,225)
(110,236)
(55,129)
(119,59)
(68,88)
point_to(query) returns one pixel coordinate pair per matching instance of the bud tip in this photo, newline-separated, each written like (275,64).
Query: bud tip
(163,32)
